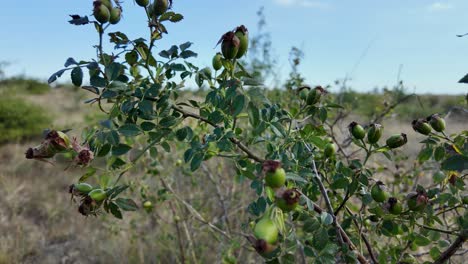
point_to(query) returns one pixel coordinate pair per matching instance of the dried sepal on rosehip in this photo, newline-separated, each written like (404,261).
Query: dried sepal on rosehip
(417,201)
(243,34)
(421,126)
(356,130)
(88,206)
(101,12)
(275,176)
(374,133)
(436,122)
(393,206)
(287,199)
(53,143)
(84,155)
(396,141)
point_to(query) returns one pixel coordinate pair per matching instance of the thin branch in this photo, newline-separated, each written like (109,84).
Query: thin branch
(453,248)
(366,242)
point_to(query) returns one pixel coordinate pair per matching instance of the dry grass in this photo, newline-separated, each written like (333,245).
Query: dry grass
(39,223)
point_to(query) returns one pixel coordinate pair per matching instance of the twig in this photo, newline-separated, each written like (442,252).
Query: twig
(366,242)
(221,199)
(453,248)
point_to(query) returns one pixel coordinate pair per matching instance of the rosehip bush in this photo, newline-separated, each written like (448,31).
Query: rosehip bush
(315,203)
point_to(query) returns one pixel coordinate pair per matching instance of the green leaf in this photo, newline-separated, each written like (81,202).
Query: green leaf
(294,177)
(113,71)
(147,126)
(129,130)
(185,45)
(421,240)
(120,149)
(434,253)
(181,134)
(464,79)
(456,163)
(115,210)
(104,150)
(439,153)
(238,105)
(196,161)
(126,204)
(168,121)
(320,239)
(326,218)
(77,76)
(425,154)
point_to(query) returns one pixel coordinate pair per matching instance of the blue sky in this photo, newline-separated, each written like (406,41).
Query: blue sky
(334,35)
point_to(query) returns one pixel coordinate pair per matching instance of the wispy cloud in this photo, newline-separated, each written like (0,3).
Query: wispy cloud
(439,6)
(302,3)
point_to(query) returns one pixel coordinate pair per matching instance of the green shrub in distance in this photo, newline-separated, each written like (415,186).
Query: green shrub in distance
(20,120)
(24,85)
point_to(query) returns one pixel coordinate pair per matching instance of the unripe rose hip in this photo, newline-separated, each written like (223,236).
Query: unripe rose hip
(217,64)
(142,3)
(356,130)
(230,45)
(160,7)
(243,34)
(437,122)
(98,195)
(83,187)
(378,192)
(330,150)
(397,141)
(421,126)
(374,133)
(266,230)
(417,201)
(115,15)
(314,95)
(107,3)
(275,176)
(101,12)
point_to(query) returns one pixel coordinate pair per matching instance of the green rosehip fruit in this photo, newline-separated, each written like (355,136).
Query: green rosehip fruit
(142,3)
(243,34)
(417,201)
(330,150)
(276,179)
(374,133)
(275,176)
(396,141)
(378,192)
(356,130)
(266,230)
(148,206)
(107,3)
(314,95)
(421,126)
(230,45)
(115,15)
(101,12)
(394,207)
(98,195)
(303,92)
(436,122)
(217,64)
(288,200)
(83,187)
(160,7)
